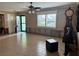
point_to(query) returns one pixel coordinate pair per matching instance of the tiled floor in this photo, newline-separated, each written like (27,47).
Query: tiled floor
(23,44)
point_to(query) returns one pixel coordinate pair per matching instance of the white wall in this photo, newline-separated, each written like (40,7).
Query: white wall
(11,22)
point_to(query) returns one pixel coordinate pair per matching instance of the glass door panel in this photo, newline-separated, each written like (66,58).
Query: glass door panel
(23,19)
(23,27)
(23,23)
(18,23)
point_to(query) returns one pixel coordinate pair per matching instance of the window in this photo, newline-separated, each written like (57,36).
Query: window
(47,20)
(41,20)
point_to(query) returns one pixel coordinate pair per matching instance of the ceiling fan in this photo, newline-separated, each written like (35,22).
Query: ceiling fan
(31,7)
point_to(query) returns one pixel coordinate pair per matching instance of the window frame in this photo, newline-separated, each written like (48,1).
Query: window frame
(45,21)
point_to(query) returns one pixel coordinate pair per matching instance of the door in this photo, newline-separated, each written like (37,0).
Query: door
(21,23)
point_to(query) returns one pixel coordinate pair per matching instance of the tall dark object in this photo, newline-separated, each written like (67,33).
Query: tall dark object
(68,31)
(78,19)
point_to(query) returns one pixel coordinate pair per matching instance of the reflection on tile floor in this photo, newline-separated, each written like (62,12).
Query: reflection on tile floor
(24,44)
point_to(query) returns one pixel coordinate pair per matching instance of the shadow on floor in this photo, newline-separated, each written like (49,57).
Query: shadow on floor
(52,53)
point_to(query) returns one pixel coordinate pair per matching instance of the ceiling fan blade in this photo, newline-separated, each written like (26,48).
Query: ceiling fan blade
(37,7)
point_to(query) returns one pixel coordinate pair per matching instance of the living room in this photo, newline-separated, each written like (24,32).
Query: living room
(25,27)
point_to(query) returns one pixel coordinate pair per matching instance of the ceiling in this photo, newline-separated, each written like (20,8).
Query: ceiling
(22,6)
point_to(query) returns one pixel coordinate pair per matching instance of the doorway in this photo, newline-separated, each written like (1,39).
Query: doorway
(21,23)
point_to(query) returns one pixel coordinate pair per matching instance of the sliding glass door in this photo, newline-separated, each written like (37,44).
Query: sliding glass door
(21,23)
